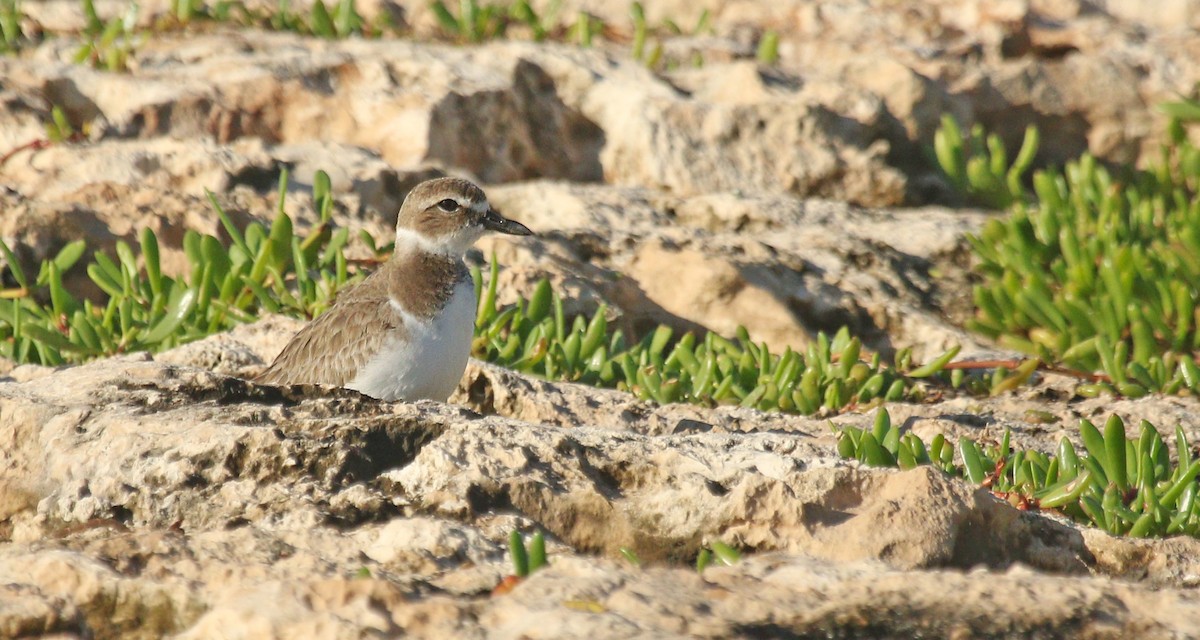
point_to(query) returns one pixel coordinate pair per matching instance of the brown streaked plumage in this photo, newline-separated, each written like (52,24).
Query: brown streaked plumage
(404,332)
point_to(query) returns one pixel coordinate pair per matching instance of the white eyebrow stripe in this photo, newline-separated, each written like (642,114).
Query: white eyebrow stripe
(480,207)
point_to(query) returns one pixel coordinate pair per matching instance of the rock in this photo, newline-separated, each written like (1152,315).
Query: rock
(761,495)
(1174,14)
(22,116)
(222,353)
(108,192)
(86,594)
(701,287)
(566,115)
(707,148)
(165,494)
(420,545)
(1170,561)
(147,498)
(489,390)
(329,608)
(770,593)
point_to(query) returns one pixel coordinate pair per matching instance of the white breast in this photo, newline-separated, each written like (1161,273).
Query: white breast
(429,364)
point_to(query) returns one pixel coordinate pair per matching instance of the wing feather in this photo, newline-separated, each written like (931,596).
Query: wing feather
(332,348)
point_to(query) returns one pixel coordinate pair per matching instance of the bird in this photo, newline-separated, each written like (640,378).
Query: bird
(404,333)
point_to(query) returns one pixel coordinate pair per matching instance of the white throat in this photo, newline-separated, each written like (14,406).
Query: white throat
(453,245)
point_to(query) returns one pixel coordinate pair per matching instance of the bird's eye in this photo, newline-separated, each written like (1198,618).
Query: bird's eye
(448,205)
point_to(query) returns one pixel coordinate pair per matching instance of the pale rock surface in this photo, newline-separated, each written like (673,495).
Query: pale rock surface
(696,286)
(164,499)
(806,596)
(1006,64)
(1169,14)
(166,496)
(546,111)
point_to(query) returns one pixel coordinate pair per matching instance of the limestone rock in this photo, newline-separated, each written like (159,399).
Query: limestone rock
(147,498)
(701,287)
(165,495)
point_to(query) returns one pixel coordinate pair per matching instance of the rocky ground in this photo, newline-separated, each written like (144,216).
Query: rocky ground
(143,496)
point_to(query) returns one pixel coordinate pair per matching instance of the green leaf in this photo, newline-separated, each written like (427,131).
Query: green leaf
(948,147)
(845,446)
(1063,493)
(335,247)
(487,303)
(93,23)
(178,307)
(596,333)
(281,194)
(972,462)
(322,24)
(61,302)
(1182,447)
(570,350)
(1093,442)
(1184,480)
(661,336)
(1186,110)
(768,48)
(235,235)
(1024,159)
(1018,377)
(1114,449)
(872,453)
(725,553)
(1068,460)
(917,446)
(1142,526)
(129,266)
(265,298)
(539,303)
(85,334)
(150,254)
(14,267)
(281,237)
(69,255)
(537,552)
(936,365)
(882,425)
(445,19)
(520,560)
(935,447)
(347,20)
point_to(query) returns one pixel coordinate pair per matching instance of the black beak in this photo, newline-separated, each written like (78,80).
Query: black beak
(496,222)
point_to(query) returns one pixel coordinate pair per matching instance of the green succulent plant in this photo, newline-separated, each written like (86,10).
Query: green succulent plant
(978,166)
(527,559)
(717,551)
(535,336)
(475,21)
(768,48)
(109,45)
(1101,272)
(12,37)
(1126,486)
(261,270)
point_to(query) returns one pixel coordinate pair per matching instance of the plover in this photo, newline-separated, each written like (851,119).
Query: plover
(405,332)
